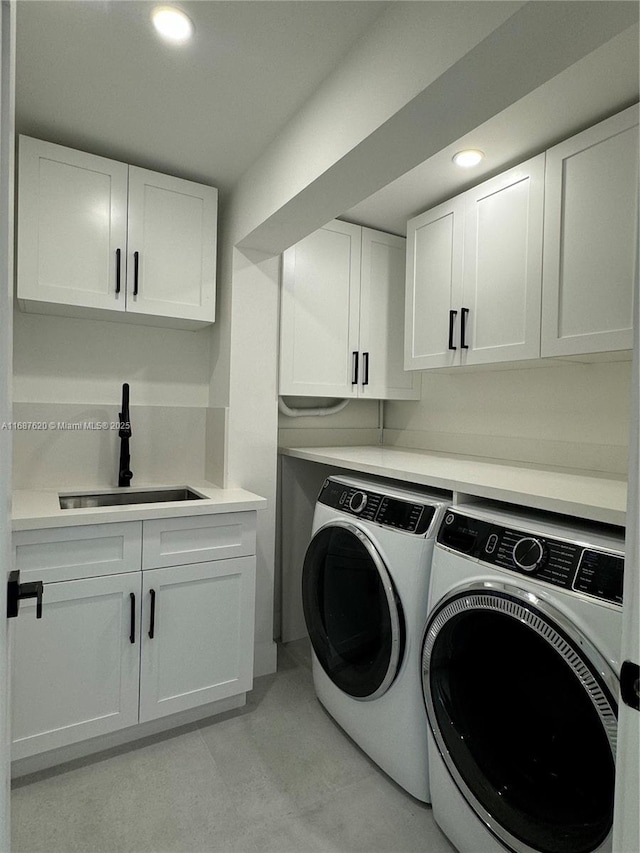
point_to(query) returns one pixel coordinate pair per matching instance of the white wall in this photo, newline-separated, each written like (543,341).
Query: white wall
(573,415)
(71,371)
(65,360)
(253,420)
(359,423)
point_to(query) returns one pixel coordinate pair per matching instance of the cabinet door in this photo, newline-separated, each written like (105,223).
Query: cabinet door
(502,279)
(434,287)
(382,373)
(319,313)
(197,636)
(171,264)
(590,239)
(75,672)
(72,226)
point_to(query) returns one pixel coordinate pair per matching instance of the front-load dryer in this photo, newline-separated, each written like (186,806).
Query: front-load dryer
(521,660)
(365,583)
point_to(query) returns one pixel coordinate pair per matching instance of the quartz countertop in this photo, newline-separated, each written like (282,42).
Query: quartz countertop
(583,494)
(40,508)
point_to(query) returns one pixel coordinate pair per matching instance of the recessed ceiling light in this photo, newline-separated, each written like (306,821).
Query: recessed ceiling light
(468,157)
(172,24)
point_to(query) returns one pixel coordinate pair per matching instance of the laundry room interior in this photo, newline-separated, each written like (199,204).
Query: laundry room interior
(320,426)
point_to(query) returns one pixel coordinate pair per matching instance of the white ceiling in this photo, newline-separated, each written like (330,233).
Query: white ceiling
(92,74)
(597,86)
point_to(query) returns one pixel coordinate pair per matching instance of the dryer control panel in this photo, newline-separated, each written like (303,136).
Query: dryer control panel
(560,562)
(377,507)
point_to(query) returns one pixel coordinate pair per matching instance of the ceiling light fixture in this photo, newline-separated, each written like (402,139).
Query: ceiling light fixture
(467,158)
(172,24)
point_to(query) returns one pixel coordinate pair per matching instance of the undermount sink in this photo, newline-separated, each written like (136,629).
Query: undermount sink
(124,498)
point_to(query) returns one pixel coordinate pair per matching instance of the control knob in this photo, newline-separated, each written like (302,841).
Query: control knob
(357,501)
(528,553)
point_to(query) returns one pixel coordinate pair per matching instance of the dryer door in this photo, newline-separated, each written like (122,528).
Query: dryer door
(523,713)
(352,611)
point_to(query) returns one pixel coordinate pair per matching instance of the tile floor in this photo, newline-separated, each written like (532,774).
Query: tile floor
(277,776)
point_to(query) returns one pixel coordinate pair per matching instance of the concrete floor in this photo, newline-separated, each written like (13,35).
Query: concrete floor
(277,776)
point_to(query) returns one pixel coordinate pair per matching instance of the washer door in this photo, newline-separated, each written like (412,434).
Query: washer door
(523,718)
(353,614)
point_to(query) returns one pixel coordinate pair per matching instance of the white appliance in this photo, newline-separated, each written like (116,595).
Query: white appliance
(365,584)
(521,657)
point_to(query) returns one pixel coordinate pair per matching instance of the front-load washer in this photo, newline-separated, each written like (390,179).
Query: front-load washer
(365,583)
(521,661)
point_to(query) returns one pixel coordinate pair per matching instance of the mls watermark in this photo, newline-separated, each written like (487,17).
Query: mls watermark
(62,426)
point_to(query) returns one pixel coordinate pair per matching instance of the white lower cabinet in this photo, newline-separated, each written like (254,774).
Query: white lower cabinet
(115,650)
(75,672)
(197,639)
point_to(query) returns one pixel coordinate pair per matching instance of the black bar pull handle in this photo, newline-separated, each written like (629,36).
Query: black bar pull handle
(136,264)
(463,328)
(118,259)
(452,319)
(132,635)
(152,617)
(365,368)
(354,368)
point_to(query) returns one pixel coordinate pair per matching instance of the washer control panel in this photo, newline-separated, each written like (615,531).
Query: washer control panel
(377,507)
(556,561)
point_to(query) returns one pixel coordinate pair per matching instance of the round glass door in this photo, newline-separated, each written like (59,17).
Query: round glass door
(352,612)
(523,721)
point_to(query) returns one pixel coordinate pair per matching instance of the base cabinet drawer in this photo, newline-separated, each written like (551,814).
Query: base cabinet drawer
(75,672)
(197,637)
(198,539)
(69,553)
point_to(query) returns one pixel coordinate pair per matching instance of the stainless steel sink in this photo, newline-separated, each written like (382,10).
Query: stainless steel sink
(128,496)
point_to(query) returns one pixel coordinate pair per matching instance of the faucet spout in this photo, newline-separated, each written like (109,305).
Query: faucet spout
(125,474)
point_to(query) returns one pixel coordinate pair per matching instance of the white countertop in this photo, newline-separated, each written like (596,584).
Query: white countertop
(39,508)
(584,494)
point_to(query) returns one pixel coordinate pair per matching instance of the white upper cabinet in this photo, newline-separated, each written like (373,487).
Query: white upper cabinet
(103,239)
(342,314)
(591,210)
(474,267)
(319,312)
(72,226)
(434,286)
(502,266)
(381,339)
(171,255)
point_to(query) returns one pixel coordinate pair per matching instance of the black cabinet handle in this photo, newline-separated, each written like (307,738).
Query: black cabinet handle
(365,368)
(136,261)
(118,258)
(132,635)
(452,319)
(152,617)
(463,328)
(354,369)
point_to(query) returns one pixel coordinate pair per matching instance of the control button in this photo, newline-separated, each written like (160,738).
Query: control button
(357,502)
(449,518)
(492,541)
(528,553)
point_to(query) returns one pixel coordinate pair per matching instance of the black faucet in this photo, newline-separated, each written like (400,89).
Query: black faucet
(125,474)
